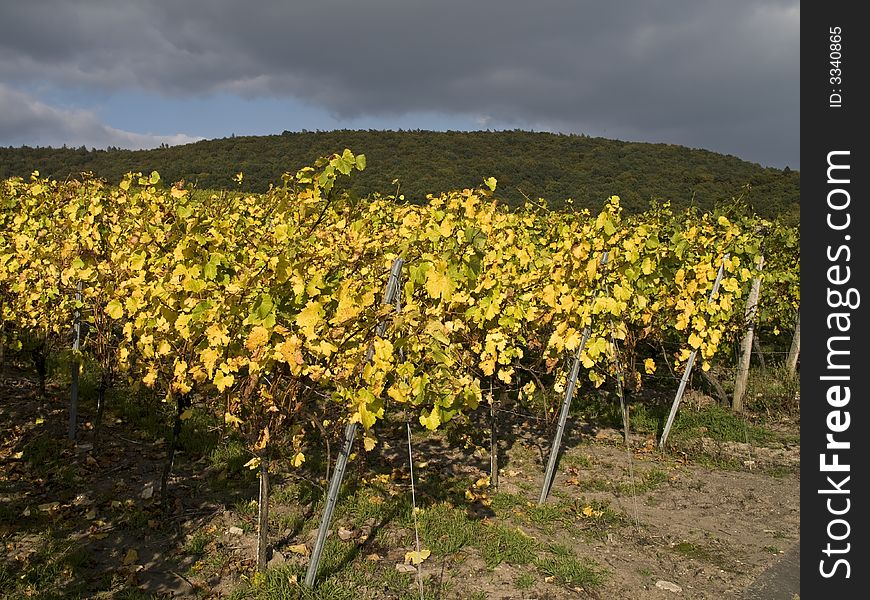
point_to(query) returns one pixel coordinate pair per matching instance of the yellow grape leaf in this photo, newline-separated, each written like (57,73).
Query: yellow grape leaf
(231,419)
(432,420)
(209,357)
(438,284)
(254,463)
(490,182)
(222,380)
(114,309)
(596,347)
(369,442)
(298,459)
(488,366)
(397,393)
(649,366)
(150,378)
(505,374)
(216,335)
(573,339)
(437,330)
(257,338)
(647,266)
(180,369)
(299,549)
(416,558)
(730,284)
(308,318)
(349,306)
(695,340)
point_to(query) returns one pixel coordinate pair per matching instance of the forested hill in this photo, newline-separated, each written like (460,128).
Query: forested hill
(537,165)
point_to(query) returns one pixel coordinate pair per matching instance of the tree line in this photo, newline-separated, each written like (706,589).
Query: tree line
(566,170)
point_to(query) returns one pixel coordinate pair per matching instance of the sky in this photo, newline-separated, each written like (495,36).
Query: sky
(723,76)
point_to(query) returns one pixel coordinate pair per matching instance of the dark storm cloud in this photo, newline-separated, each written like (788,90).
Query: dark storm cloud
(722,75)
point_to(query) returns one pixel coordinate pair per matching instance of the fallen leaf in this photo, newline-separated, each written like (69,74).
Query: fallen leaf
(301,549)
(131,557)
(416,557)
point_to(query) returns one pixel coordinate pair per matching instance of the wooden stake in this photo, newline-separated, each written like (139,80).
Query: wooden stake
(689,364)
(746,345)
(349,436)
(76,367)
(795,351)
(563,413)
(263,515)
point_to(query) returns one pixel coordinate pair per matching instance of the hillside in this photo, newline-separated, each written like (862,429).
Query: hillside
(538,165)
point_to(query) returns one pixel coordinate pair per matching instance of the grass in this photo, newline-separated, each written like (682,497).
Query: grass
(50,572)
(447,530)
(690,550)
(229,459)
(569,570)
(773,391)
(198,542)
(525,581)
(501,544)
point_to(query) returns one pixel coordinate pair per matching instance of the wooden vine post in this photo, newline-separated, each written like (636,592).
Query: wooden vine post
(748,339)
(76,365)
(566,407)
(689,364)
(349,435)
(263,515)
(493,440)
(795,350)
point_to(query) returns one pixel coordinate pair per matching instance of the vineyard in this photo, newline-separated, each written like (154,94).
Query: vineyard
(304,330)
